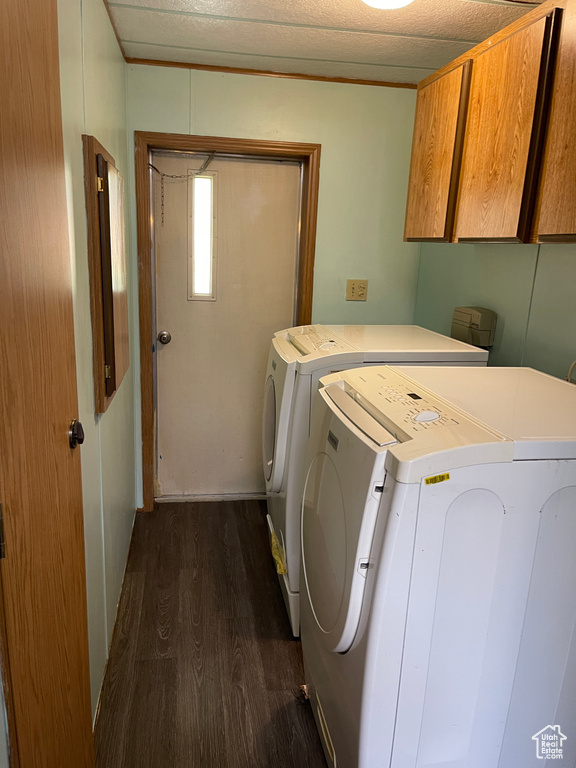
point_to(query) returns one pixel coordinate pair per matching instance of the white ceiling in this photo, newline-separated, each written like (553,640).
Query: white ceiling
(326,38)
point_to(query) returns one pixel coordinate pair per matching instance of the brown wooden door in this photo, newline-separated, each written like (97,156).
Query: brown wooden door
(436,156)
(503,137)
(45,654)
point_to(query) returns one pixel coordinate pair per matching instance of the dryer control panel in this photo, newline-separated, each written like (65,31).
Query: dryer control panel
(318,342)
(311,343)
(433,435)
(398,404)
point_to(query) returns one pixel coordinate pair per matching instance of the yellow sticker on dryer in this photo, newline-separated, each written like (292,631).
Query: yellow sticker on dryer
(437,479)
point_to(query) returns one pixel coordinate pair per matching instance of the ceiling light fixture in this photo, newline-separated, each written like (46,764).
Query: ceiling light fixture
(387,4)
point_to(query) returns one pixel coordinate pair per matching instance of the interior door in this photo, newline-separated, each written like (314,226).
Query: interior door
(43,619)
(210,376)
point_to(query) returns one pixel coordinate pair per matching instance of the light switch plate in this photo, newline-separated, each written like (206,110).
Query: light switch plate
(356,290)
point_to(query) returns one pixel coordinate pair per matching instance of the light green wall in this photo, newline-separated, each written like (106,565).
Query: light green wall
(365,133)
(551,336)
(529,286)
(94,102)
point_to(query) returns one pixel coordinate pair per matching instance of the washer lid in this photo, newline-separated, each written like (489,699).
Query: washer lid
(341,499)
(534,409)
(406,344)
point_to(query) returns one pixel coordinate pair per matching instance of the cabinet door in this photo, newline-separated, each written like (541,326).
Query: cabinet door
(436,156)
(503,136)
(555,219)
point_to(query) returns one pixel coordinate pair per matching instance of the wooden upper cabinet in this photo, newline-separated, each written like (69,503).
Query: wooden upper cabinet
(555,215)
(436,156)
(495,159)
(504,135)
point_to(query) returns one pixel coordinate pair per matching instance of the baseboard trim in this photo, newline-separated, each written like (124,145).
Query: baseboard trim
(211,497)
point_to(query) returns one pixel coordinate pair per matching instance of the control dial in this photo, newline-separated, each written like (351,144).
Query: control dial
(427,416)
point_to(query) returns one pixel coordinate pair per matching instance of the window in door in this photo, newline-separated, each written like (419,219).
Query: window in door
(202,236)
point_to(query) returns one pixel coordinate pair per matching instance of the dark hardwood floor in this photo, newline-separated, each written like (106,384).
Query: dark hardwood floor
(203,669)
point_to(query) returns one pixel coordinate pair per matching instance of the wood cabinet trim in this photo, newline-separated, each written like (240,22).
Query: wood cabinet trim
(555,210)
(458,150)
(569,237)
(540,124)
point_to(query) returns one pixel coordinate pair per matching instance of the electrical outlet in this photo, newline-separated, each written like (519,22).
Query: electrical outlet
(356,290)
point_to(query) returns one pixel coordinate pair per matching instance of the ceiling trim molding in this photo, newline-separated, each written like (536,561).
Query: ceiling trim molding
(266,73)
(118,39)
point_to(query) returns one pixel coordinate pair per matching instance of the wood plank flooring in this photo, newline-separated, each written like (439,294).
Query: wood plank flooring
(203,670)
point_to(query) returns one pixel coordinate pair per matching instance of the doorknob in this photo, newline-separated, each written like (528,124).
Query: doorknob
(164,337)
(75,434)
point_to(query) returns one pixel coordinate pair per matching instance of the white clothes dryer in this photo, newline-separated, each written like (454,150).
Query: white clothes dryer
(298,358)
(439,568)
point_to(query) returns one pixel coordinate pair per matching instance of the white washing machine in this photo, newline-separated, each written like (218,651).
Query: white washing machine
(439,568)
(298,358)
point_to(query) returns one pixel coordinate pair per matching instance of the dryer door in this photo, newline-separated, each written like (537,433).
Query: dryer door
(269,428)
(339,511)
(278,392)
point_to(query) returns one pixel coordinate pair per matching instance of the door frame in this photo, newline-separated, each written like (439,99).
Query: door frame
(145,144)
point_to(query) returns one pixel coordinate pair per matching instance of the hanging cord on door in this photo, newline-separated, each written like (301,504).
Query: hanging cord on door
(176,176)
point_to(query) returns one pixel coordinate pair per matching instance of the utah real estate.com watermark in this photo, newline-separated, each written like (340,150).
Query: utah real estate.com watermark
(549,743)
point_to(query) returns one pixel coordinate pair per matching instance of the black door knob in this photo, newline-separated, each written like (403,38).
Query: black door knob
(75,434)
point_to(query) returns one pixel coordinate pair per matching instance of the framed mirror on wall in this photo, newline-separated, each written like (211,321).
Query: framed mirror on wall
(104,190)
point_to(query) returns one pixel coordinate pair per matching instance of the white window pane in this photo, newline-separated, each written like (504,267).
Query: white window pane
(202,218)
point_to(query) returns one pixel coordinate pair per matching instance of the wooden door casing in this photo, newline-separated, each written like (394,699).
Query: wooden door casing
(43,575)
(145,143)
